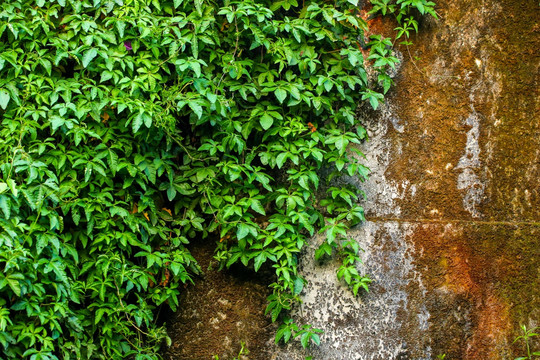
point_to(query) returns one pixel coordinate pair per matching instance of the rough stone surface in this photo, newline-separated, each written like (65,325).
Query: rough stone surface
(453,204)
(222,311)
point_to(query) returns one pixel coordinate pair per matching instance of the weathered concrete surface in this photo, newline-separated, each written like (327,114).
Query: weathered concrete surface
(452,240)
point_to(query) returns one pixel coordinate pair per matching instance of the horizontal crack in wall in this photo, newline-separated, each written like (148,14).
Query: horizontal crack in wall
(449,221)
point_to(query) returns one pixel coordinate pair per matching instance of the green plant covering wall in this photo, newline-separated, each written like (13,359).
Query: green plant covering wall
(131,127)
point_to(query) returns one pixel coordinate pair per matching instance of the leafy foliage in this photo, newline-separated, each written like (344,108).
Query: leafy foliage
(130,127)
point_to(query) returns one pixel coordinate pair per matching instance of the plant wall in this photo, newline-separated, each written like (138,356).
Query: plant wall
(131,127)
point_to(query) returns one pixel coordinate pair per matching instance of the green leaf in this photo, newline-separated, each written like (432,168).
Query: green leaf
(266,121)
(58,268)
(302,181)
(88,56)
(257,206)
(56,121)
(5,205)
(197,109)
(13,187)
(196,67)
(280,94)
(276,311)
(298,286)
(316,339)
(4,98)
(242,231)
(281,158)
(137,122)
(283,332)
(120,26)
(13,280)
(304,340)
(259,260)
(374,102)
(99,314)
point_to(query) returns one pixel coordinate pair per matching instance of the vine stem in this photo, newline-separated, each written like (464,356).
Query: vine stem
(126,314)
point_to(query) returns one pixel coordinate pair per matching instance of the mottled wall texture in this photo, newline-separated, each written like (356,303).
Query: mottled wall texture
(452,240)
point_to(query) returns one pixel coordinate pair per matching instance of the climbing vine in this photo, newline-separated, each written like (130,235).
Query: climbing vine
(132,127)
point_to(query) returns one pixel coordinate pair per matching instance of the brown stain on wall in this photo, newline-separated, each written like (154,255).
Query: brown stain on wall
(464,295)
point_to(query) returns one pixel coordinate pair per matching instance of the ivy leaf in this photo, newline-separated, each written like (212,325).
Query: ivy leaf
(280,94)
(147,119)
(281,158)
(197,109)
(5,205)
(112,161)
(242,231)
(276,311)
(304,339)
(13,187)
(120,26)
(374,102)
(196,67)
(88,56)
(13,281)
(99,314)
(171,193)
(298,286)
(302,181)
(315,337)
(257,207)
(56,121)
(4,99)
(57,266)
(137,122)
(259,260)
(266,121)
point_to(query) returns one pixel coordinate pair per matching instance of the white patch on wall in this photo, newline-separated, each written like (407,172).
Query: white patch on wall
(375,325)
(469,164)
(379,151)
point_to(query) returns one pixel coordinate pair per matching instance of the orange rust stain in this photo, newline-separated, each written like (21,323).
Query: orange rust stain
(458,272)
(492,329)
(453,265)
(492,313)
